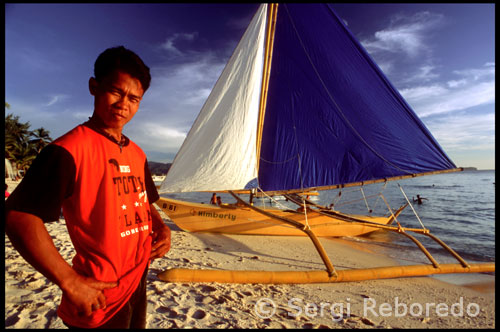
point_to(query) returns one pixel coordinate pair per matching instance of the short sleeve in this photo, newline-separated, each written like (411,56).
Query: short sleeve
(48,181)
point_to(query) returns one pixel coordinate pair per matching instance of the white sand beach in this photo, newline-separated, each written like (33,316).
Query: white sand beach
(31,300)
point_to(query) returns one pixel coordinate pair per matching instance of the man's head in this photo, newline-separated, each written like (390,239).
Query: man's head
(121,78)
(121,59)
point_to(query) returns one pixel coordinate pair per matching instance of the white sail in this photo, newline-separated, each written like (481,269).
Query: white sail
(219,152)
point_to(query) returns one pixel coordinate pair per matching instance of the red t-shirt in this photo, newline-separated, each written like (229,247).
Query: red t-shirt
(106,207)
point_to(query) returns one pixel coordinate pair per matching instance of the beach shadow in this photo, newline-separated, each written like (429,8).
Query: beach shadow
(227,245)
(172,225)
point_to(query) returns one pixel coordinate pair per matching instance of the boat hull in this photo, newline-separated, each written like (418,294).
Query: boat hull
(233,219)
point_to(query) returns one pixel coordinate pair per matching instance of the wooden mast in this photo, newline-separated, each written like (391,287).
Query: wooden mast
(271,27)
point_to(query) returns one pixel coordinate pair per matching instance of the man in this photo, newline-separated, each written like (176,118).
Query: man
(102,182)
(419,199)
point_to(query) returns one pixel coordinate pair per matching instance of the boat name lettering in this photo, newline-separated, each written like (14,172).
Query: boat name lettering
(217,215)
(171,207)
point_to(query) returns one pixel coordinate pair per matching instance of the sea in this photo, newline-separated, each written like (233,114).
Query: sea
(458,208)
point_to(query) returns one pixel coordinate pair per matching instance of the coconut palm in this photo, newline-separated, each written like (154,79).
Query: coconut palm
(24,154)
(16,129)
(41,138)
(10,146)
(22,145)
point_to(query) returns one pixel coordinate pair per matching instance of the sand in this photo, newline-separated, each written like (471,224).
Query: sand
(31,300)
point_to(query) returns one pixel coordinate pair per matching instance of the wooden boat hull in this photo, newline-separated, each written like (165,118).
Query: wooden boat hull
(233,219)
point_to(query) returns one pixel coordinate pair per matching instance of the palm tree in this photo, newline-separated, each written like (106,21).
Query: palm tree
(16,135)
(41,138)
(16,129)
(10,146)
(22,145)
(24,154)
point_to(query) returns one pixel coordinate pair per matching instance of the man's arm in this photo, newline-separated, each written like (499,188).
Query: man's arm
(29,236)
(161,235)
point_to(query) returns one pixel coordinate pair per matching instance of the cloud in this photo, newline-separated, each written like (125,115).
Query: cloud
(155,136)
(405,41)
(56,98)
(425,73)
(438,99)
(476,131)
(454,83)
(57,119)
(474,87)
(178,93)
(169,44)
(488,71)
(406,34)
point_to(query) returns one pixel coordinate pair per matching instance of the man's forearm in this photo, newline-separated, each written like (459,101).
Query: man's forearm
(157,220)
(161,235)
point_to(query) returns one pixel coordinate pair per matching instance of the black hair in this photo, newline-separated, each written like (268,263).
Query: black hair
(120,58)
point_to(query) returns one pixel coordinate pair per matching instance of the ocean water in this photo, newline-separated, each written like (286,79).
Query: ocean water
(459,209)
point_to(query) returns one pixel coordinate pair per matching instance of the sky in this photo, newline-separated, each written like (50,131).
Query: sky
(440,57)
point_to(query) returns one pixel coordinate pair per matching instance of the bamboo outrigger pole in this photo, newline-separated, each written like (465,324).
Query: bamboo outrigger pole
(306,277)
(317,244)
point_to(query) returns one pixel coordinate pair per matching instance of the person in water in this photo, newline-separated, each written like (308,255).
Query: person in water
(419,199)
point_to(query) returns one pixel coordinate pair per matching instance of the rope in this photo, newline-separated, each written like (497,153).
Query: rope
(415,212)
(357,200)
(278,162)
(272,199)
(390,210)
(305,215)
(364,197)
(379,195)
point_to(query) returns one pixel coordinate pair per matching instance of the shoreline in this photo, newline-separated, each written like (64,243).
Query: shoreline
(31,300)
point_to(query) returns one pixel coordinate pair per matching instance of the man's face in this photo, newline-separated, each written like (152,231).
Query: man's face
(117,98)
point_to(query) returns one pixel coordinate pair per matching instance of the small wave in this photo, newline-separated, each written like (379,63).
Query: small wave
(442,187)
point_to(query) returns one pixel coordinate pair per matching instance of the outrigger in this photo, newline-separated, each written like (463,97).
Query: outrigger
(301,106)
(331,274)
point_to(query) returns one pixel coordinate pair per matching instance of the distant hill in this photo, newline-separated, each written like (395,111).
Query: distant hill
(469,168)
(158,168)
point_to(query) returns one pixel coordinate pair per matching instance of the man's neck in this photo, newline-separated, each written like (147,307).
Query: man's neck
(97,123)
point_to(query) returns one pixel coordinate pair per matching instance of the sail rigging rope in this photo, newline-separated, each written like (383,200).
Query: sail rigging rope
(358,200)
(278,162)
(364,198)
(272,199)
(380,195)
(415,212)
(390,210)
(306,226)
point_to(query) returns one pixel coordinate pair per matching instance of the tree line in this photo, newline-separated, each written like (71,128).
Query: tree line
(22,145)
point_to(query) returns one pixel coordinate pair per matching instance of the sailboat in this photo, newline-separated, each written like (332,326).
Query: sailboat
(300,107)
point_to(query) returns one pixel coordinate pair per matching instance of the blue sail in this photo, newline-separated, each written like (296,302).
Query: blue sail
(332,117)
